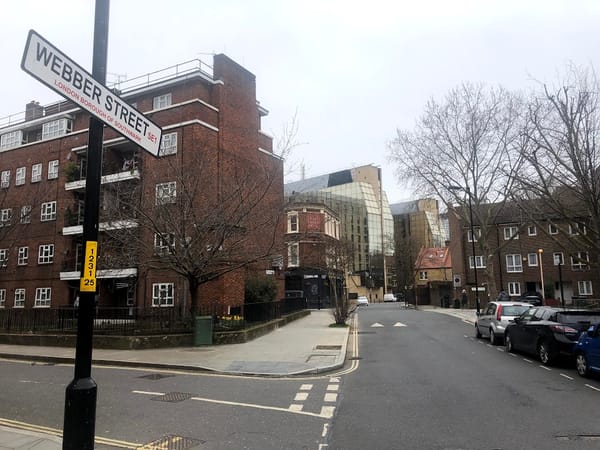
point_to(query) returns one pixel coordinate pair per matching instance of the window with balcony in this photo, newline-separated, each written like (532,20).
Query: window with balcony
(166,193)
(19,298)
(23,256)
(48,211)
(56,128)
(11,140)
(585,287)
(36,173)
(46,254)
(43,297)
(5,179)
(168,144)
(293,255)
(53,169)
(21,175)
(514,263)
(162,101)
(514,288)
(511,232)
(163,294)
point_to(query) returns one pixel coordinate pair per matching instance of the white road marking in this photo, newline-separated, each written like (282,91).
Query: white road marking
(376,325)
(334,380)
(500,349)
(296,408)
(148,393)
(566,376)
(528,361)
(592,387)
(513,355)
(399,324)
(306,387)
(327,412)
(547,368)
(333,387)
(330,397)
(301,396)
(325,430)
(323,446)
(481,342)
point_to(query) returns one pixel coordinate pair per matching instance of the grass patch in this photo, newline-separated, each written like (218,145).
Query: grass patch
(338,325)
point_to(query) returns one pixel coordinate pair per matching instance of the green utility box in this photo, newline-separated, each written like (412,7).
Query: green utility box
(203,330)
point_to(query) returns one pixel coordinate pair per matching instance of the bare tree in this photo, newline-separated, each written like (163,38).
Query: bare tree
(339,255)
(465,149)
(560,182)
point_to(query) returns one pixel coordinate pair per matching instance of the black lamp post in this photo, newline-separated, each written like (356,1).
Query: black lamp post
(558,259)
(468,191)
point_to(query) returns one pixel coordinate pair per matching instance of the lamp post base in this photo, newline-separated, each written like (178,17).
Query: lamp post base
(80,414)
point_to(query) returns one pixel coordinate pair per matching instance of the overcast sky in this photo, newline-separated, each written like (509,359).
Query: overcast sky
(352,71)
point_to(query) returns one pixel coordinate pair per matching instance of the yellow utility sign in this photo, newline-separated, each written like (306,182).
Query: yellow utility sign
(88,278)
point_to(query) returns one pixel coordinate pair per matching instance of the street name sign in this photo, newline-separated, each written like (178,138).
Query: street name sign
(49,65)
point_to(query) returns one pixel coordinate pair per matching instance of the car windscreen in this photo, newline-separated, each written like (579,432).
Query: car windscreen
(514,310)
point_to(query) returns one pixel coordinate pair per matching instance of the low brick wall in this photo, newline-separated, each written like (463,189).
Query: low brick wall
(151,341)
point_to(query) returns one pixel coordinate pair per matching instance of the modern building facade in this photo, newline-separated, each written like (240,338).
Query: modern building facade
(356,195)
(153,210)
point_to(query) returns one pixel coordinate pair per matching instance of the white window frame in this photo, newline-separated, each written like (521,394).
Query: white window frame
(56,128)
(43,297)
(48,211)
(163,295)
(19,298)
(11,139)
(561,259)
(46,254)
(36,173)
(511,232)
(162,101)
(2,298)
(423,275)
(292,222)
(480,261)
(532,259)
(22,256)
(581,262)
(514,288)
(552,229)
(166,193)
(585,288)
(476,231)
(531,230)
(5,179)
(5,216)
(577,229)
(163,242)
(20,176)
(25,214)
(293,254)
(53,169)
(168,144)
(3,257)
(514,263)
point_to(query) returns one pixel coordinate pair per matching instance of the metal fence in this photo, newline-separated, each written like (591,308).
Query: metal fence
(144,321)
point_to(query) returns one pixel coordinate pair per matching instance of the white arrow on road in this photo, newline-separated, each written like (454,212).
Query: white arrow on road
(376,325)
(399,324)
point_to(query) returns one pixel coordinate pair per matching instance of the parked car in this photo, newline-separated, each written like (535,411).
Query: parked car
(362,301)
(535,298)
(389,298)
(495,318)
(587,351)
(548,332)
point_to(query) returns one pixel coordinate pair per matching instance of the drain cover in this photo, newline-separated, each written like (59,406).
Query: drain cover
(171,443)
(155,376)
(328,347)
(172,397)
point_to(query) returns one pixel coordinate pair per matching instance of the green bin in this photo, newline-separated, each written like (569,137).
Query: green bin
(203,330)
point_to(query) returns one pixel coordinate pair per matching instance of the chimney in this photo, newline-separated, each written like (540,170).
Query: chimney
(33,110)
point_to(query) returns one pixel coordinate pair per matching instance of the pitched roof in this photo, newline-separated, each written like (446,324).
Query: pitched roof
(434,258)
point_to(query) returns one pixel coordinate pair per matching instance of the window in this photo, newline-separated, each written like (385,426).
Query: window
(53,169)
(577,228)
(25,214)
(23,256)
(166,193)
(293,255)
(168,144)
(511,233)
(43,297)
(531,230)
(422,275)
(514,288)
(585,287)
(21,175)
(48,211)
(5,216)
(558,258)
(476,231)
(552,229)
(46,254)
(480,260)
(579,261)
(163,242)
(3,257)
(162,294)
(19,298)
(162,101)
(11,140)
(514,263)
(2,298)
(532,259)
(5,180)
(36,173)
(56,128)
(292,222)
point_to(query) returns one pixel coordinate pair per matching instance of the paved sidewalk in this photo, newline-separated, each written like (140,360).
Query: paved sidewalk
(468,315)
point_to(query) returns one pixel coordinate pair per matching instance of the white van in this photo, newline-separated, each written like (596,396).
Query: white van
(389,298)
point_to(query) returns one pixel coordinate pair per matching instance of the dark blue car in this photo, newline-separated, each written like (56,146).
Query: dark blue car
(587,351)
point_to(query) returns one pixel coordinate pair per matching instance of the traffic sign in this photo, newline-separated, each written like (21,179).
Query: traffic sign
(49,65)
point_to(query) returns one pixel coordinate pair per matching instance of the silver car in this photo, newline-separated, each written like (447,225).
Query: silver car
(493,320)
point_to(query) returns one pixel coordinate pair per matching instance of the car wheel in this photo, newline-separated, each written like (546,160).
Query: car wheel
(581,365)
(493,338)
(544,353)
(477,332)
(508,343)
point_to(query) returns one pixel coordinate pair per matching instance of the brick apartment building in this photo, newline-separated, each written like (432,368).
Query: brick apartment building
(213,157)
